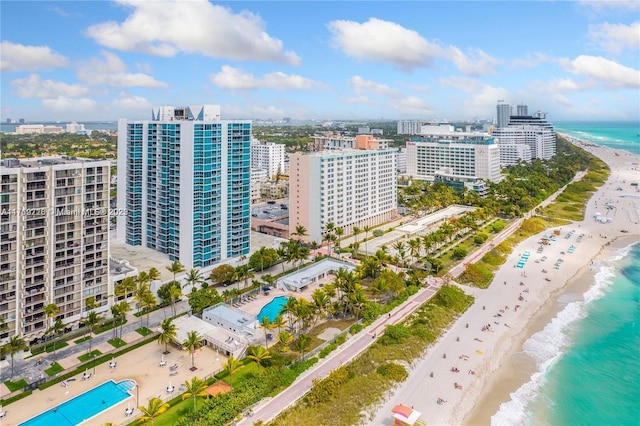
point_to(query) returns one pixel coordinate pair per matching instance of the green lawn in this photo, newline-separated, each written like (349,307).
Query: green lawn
(14,386)
(54,369)
(173,414)
(249,371)
(144,331)
(89,356)
(58,345)
(84,339)
(117,342)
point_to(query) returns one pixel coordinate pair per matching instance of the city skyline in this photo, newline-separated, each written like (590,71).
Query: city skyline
(350,60)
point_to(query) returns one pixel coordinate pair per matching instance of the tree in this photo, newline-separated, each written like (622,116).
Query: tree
(266,326)
(176,268)
(356,232)
(175,291)
(153,410)
(141,296)
(194,388)
(168,332)
(223,274)
(232,365)
(194,277)
(301,231)
(91,322)
(149,302)
(122,309)
(203,298)
(51,310)
(279,322)
(366,230)
(125,287)
(258,354)
(285,338)
(13,346)
(56,329)
(192,344)
(302,343)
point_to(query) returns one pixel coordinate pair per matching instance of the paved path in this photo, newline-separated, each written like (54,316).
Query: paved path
(269,409)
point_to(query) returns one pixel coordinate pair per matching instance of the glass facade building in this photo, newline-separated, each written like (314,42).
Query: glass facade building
(186,184)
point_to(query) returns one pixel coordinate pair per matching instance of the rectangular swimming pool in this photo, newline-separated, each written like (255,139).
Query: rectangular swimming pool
(84,406)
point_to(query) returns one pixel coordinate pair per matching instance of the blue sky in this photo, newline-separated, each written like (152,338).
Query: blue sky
(99,60)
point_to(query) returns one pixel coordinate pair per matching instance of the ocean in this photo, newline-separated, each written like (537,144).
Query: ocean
(587,357)
(624,135)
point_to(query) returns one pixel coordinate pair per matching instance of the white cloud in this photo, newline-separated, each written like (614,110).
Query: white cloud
(481,98)
(411,105)
(18,57)
(165,28)
(71,105)
(131,102)
(355,100)
(562,100)
(609,73)
(34,87)
(529,61)
(614,38)
(383,41)
(362,86)
(112,72)
(236,79)
(462,84)
(253,110)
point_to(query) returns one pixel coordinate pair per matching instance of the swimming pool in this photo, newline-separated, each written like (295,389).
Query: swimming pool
(273,308)
(84,406)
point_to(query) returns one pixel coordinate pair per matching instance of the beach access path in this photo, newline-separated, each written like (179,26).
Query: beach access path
(480,340)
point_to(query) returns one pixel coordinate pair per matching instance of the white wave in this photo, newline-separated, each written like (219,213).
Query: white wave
(547,347)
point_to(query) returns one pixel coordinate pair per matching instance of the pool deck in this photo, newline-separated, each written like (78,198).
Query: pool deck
(141,365)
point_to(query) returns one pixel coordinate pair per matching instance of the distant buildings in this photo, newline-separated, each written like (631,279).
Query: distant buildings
(401,163)
(39,129)
(409,127)
(352,186)
(503,114)
(336,141)
(54,241)
(184,178)
(267,156)
(522,129)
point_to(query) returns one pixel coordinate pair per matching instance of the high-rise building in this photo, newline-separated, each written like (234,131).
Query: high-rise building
(409,127)
(503,114)
(522,110)
(532,130)
(349,187)
(54,241)
(267,156)
(459,154)
(184,178)
(331,141)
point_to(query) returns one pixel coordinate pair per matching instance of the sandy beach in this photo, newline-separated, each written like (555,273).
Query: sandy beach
(472,367)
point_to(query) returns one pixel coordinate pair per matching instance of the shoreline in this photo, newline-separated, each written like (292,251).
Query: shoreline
(520,301)
(517,367)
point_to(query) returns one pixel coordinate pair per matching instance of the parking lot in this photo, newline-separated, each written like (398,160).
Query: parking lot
(272,210)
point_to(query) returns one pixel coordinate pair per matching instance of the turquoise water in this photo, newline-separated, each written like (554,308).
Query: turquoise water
(613,134)
(588,356)
(272,309)
(84,406)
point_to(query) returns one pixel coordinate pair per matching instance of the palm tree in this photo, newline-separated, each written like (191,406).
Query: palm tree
(125,287)
(141,296)
(232,365)
(266,326)
(13,346)
(168,332)
(282,254)
(176,268)
(356,232)
(175,292)
(339,232)
(288,309)
(285,338)
(149,302)
(366,230)
(153,410)
(51,310)
(301,231)
(279,322)
(192,344)
(56,329)
(153,274)
(122,309)
(194,277)
(195,388)
(91,322)
(302,343)
(258,354)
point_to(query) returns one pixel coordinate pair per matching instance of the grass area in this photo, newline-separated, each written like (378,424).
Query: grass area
(54,369)
(89,356)
(144,331)
(108,325)
(117,342)
(5,402)
(177,411)
(339,398)
(247,372)
(14,386)
(84,339)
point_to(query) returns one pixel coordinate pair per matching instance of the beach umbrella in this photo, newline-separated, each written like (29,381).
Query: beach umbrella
(479,352)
